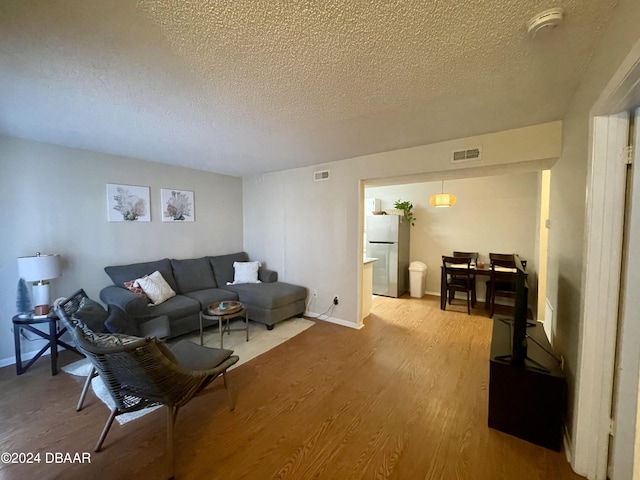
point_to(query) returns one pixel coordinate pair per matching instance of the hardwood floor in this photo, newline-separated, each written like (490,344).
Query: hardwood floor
(403,398)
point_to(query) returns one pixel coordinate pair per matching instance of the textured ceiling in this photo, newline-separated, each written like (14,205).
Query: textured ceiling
(249,86)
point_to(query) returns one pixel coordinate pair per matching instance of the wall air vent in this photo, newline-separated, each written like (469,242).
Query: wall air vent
(320,175)
(466,155)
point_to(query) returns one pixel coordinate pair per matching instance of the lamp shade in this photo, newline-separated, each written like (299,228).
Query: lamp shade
(442,200)
(39,267)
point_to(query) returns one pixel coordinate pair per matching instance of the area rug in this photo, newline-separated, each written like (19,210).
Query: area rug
(260,341)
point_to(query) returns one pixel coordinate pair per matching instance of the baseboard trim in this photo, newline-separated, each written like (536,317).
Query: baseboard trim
(337,321)
(5,362)
(26,356)
(566,439)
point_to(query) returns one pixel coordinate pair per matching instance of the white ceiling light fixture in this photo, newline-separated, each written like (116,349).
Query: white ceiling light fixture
(442,199)
(546,20)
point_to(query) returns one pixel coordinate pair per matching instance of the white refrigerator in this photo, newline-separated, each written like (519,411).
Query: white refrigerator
(388,241)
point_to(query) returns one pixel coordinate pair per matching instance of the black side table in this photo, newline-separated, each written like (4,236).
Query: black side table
(53,338)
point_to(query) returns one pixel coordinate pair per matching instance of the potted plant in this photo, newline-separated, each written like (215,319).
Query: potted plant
(407,208)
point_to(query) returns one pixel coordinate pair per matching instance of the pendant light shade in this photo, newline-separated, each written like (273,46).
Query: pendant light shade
(442,199)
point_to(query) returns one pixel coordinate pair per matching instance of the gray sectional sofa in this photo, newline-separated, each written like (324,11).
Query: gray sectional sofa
(199,282)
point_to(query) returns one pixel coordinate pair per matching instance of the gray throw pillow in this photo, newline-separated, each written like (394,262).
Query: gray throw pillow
(119,321)
(90,315)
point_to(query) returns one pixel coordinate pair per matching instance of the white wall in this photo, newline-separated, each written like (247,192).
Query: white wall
(492,214)
(568,195)
(311,232)
(55,202)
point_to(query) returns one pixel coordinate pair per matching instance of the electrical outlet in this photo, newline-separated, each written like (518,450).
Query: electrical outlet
(335,300)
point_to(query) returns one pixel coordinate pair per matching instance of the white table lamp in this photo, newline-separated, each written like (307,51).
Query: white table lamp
(39,269)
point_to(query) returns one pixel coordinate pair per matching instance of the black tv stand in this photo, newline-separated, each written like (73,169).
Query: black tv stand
(527,401)
(509,357)
(528,362)
(509,321)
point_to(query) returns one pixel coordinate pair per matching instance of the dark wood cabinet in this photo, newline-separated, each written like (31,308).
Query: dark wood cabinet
(527,401)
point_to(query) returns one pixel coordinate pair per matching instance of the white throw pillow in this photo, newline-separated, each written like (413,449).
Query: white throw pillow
(155,287)
(245,272)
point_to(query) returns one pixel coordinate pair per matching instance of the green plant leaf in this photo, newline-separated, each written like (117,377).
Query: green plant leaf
(407,207)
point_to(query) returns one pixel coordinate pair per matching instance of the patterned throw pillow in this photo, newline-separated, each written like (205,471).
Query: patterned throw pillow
(135,288)
(111,339)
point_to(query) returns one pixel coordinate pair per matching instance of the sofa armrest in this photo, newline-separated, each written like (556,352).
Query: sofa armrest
(130,302)
(267,276)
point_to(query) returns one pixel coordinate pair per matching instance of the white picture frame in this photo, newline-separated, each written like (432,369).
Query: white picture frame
(128,203)
(177,205)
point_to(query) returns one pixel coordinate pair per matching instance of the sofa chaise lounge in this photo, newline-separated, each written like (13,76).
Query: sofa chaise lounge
(200,282)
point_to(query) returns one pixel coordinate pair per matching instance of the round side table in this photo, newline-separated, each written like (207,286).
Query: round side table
(223,321)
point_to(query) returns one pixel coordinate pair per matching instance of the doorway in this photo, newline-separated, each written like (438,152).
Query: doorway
(493,213)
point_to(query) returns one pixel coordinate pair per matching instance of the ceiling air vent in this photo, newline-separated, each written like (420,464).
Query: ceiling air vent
(321,175)
(466,155)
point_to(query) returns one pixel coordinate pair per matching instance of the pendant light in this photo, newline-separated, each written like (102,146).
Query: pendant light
(442,199)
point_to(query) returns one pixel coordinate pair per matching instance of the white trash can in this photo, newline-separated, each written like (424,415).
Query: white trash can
(417,279)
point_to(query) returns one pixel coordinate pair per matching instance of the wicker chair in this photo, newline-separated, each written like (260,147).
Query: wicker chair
(144,372)
(156,327)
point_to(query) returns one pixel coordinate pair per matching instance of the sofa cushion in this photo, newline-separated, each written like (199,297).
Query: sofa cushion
(192,356)
(120,274)
(193,274)
(268,295)
(223,266)
(211,295)
(174,308)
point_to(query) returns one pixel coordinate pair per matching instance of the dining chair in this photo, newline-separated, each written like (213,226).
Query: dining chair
(458,277)
(474,261)
(472,255)
(507,256)
(500,284)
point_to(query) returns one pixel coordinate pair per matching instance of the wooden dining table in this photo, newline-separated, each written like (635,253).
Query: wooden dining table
(484,271)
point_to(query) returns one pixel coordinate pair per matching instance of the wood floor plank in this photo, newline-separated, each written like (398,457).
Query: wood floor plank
(403,398)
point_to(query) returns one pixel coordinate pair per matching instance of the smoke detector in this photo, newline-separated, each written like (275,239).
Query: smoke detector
(545,20)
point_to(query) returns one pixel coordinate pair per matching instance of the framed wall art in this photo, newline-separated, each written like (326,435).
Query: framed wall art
(177,205)
(128,203)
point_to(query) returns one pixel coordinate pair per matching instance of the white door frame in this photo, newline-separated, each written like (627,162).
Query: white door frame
(602,259)
(622,459)
(601,286)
